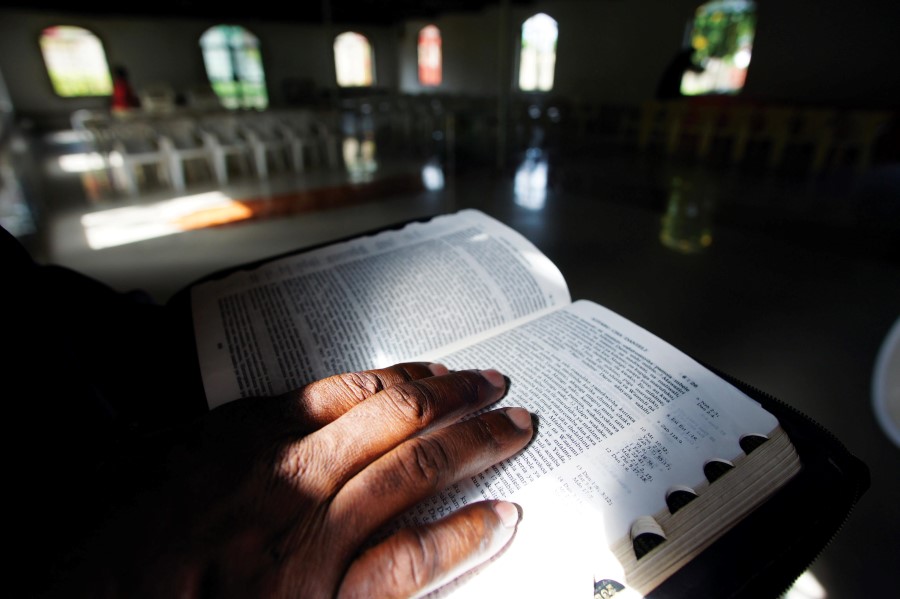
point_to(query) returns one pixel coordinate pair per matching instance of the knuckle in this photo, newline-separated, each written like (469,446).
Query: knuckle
(315,470)
(467,384)
(486,435)
(469,535)
(479,534)
(361,385)
(425,462)
(473,533)
(291,464)
(411,403)
(403,373)
(415,558)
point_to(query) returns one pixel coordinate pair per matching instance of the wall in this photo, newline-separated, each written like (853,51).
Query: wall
(607,51)
(829,52)
(469,43)
(610,51)
(167,50)
(614,51)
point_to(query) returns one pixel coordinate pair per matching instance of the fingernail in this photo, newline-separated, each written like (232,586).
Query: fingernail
(494,378)
(508,512)
(438,369)
(520,417)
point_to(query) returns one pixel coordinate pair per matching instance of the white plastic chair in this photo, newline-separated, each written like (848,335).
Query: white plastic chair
(326,139)
(180,141)
(94,129)
(158,99)
(266,139)
(135,145)
(94,132)
(222,137)
(305,137)
(322,132)
(202,99)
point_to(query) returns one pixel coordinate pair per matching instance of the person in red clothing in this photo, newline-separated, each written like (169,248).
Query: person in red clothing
(123,96)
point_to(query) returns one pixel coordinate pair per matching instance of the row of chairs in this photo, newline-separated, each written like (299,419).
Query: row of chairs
(223,141)
(828,134)
(404,122)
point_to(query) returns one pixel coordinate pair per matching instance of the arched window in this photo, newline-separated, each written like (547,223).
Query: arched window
(537,59)
(75,61)
(430,55)
(234,66)
(722,38)
(353,60)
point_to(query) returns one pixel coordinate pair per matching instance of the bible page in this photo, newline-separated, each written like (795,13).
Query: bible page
(622,417)
(367,303)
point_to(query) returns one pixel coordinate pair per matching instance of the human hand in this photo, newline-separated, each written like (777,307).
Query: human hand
(277,496)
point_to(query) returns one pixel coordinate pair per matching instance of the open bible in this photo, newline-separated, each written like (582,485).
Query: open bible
(642,457)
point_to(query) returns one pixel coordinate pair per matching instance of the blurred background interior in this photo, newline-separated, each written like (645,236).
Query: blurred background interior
(726,174)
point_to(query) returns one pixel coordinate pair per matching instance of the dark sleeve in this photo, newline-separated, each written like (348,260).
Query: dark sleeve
(89,385)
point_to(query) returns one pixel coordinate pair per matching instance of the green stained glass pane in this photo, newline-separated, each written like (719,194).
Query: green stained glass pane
(234,66)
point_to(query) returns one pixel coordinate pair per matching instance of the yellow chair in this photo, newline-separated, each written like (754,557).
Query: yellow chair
(649,122)
(777,125)
(816,129)
(707,126)
(674,112)
(737,125)
(861,131)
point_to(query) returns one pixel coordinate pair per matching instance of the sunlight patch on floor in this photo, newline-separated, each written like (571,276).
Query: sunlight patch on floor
(130,224)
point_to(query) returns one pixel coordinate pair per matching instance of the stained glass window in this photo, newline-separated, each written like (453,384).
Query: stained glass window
(353,60)
(430,55)
(537,59)
(234,66)
(75,61)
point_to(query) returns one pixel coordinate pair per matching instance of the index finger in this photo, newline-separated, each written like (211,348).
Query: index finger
(376,426)
(324,401)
